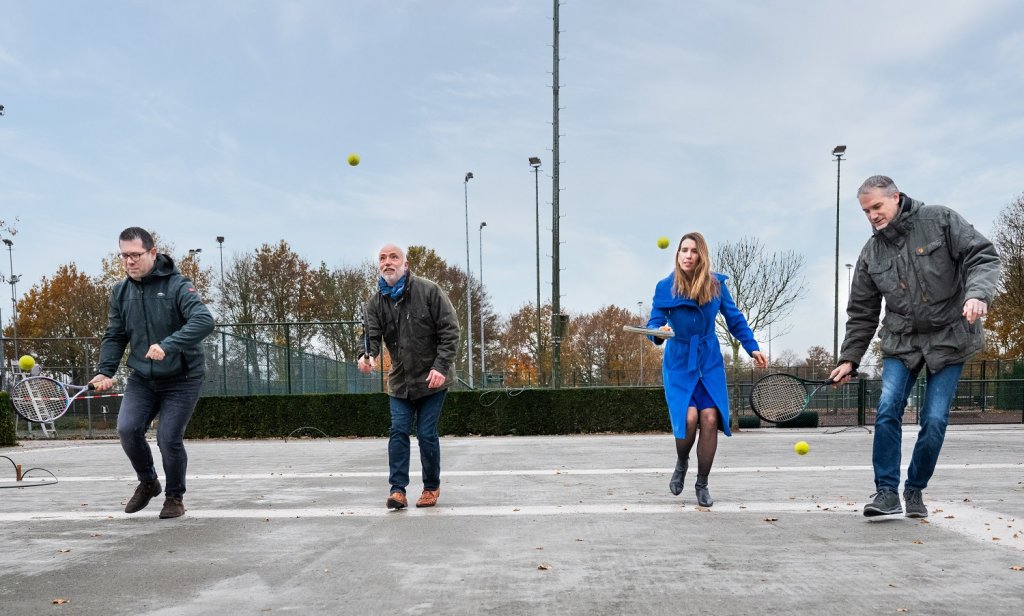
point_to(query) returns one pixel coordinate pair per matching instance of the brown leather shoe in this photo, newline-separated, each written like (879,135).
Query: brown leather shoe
(428,498)
(397,501)
(173,508)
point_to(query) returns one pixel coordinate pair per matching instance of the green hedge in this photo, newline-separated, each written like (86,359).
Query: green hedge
(491,412)
(7,437)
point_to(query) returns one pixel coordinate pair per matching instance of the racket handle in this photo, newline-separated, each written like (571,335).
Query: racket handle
(852,374)
(90,386)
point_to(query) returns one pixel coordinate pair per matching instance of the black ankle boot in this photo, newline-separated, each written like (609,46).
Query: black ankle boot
(703,496)
(675,485)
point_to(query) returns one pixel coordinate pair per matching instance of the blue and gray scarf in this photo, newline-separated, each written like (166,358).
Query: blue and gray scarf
(394,292)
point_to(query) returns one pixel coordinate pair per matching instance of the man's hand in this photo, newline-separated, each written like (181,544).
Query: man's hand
(155,353)
(974,308)
(435,379)
(366,363)
(759,359)
(102,383)
(842,374)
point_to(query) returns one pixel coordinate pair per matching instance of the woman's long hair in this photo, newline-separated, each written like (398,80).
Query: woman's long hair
(700,286)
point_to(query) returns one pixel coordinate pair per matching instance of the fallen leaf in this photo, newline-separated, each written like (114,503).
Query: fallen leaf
(923,522)
(539,547)
(950,517)
(543,566)
(936,510)
(1016,568)
(60,601)
(516,509)
(902,609)
(578,539)
(996,539)
(917,542)
(64,550)
(771,519)
(892,586)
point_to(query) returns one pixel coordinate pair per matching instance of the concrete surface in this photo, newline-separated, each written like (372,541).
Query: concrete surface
(525,525)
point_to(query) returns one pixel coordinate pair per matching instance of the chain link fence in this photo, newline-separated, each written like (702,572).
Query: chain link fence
(310,358)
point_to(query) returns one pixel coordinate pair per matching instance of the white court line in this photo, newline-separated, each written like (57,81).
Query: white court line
(982,525)
(541,472)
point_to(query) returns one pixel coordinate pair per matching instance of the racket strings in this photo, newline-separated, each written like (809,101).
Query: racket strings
(778,399)
(39,400)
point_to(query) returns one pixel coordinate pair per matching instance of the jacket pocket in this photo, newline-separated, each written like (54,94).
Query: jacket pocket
(885,276)
(897,323)
(937,270)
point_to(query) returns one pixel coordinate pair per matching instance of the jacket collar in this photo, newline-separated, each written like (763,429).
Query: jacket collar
(903,222)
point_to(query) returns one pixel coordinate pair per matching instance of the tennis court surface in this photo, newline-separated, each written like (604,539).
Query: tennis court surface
(525,525)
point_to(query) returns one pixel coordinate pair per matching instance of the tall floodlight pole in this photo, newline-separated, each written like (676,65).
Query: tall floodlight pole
(469,286)
(535,163)
(838,153)
(220,243)
(557,322)
(483,355)
(14,302)
(640,309)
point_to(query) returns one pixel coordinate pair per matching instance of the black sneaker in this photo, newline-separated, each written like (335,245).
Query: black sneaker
(915,504)
(675,485)
(173,508)
(886,502)
(143,494)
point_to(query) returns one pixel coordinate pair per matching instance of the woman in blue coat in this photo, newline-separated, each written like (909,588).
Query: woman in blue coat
(687,302)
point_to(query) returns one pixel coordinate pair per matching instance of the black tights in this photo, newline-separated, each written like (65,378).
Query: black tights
(708,443)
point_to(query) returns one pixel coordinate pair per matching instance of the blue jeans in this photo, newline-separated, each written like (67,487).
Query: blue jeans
(172,402)
(897,383)
(425,412)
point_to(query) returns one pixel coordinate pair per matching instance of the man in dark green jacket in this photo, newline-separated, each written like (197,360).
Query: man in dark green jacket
(937,275)
(418,324)
(157,313)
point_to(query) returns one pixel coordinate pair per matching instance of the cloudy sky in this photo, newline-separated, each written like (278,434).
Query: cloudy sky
(234,118)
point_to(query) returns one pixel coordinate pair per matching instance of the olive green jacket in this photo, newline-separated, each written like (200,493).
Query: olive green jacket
(925,264)
(421,331)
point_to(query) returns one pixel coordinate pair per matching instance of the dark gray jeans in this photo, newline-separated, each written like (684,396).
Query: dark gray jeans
(172,402)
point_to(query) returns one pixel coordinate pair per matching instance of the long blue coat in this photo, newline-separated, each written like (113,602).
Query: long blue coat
(693,353)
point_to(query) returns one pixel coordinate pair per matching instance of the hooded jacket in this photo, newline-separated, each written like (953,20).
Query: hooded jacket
(926,263)
(693,354)
(163,308)
(421,332)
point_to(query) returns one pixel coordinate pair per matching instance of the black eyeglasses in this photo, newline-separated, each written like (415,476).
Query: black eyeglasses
(132,256)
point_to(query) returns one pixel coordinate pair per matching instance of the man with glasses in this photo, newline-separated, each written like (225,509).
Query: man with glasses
(158,314)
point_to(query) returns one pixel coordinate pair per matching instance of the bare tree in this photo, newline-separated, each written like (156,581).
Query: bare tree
(766,287)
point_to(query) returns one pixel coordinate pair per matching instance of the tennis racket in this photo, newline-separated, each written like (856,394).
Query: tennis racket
(40,399)
(647,331)
(780,397)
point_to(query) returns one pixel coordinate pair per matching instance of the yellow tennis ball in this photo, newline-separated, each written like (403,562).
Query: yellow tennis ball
(662,242)
(353,159)
(26,363)
(802,447)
